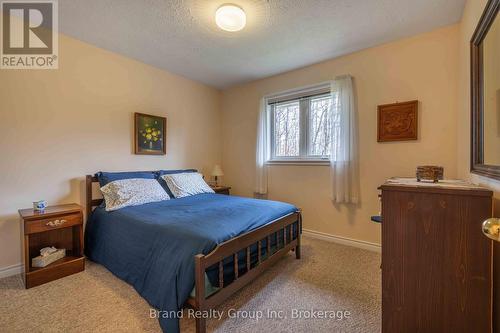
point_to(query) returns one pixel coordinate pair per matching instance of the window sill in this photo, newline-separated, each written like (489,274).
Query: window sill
(298,162)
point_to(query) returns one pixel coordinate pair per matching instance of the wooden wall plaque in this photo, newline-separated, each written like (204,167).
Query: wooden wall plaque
(398,122)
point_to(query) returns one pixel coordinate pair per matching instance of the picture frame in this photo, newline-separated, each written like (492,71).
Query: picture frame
(150,133)
(397,122)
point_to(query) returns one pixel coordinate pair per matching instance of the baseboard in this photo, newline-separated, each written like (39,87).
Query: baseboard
(11,270)
(343,240)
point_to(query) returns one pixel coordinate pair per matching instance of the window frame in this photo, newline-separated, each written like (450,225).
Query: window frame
(304,156)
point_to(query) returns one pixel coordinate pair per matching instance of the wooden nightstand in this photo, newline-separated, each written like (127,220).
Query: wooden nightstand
(221,189)
(60,226)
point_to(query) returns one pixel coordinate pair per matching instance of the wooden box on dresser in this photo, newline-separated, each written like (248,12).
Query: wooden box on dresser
(436,263)
(60,226)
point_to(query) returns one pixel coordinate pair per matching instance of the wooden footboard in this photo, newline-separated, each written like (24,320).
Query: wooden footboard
(286,232)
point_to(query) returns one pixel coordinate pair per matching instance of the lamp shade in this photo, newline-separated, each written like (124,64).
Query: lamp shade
(217,171)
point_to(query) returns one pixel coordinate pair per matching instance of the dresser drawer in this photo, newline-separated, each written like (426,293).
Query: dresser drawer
(58,222)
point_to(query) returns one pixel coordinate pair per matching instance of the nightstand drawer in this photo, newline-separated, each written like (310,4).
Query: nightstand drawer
(62,221)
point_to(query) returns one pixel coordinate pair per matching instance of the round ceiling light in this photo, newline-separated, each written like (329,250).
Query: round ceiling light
(230,17)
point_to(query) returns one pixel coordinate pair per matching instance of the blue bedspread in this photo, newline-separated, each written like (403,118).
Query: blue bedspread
(152,246)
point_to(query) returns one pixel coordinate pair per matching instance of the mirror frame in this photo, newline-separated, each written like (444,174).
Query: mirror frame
(477,165)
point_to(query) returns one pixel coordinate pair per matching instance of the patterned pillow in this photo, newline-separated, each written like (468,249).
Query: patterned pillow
(132,192)
(163,184)
(186,184)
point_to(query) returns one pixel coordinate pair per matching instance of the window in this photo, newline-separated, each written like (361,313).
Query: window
(320,126)
(301,126)
(286,120)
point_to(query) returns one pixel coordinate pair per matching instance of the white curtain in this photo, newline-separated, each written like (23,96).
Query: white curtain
(344,153)
(262,150)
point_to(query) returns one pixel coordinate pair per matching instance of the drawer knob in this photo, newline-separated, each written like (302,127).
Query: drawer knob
(491,229)
(55,223)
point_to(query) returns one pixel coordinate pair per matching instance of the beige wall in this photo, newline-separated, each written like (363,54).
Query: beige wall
(423,67)
(472,13)
(58,125)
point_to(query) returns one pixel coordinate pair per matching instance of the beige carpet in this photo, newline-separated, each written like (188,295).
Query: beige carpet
(329,277)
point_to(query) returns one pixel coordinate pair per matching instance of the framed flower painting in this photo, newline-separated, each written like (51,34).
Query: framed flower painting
(150,134)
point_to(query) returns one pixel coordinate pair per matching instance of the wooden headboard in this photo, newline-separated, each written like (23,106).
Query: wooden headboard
(90,203)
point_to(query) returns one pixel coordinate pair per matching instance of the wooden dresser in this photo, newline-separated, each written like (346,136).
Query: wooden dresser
(436,263)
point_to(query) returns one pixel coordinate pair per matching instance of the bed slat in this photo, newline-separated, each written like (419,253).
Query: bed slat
(268,247)
(259,251)
(248,258)
(221,275)
(235,259)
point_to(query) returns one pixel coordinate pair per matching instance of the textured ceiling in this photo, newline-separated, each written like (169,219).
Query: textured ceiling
(181,36)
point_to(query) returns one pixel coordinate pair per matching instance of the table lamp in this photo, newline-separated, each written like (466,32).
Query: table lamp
(217,172)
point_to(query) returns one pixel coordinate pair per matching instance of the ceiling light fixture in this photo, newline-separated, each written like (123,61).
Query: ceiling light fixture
(230,17)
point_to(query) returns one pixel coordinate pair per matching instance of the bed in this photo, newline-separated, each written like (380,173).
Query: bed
(195,251)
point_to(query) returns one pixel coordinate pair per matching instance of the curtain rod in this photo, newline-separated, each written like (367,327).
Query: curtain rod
(298,89)
(290,98)
(310,86)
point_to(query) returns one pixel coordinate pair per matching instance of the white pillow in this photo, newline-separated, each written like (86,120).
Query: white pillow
(132,192)
(186,184)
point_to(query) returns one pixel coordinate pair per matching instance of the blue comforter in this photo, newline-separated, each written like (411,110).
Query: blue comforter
(152,246)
